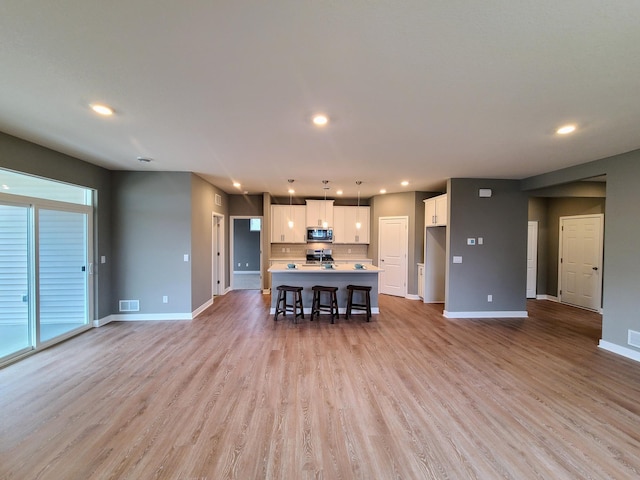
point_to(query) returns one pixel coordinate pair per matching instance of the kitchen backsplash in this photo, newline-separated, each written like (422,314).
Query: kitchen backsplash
(339,252)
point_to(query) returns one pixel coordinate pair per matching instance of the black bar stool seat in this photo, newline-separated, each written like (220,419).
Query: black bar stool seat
(366,306)
(331,307)
(294,307)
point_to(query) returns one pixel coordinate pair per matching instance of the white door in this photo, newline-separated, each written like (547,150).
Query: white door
(580,257)
(217,255)
(532,260)
(393,246)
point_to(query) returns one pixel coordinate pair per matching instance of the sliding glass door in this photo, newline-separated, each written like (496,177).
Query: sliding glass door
(63,272)
(16,335)
(45,275)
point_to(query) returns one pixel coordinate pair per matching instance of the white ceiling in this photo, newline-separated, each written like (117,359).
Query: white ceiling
(418,90)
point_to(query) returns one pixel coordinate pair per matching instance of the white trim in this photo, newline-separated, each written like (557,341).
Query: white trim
(497,314)
(144,317)
(411,296)
(551,298)
(220,275)
(245,272)
(620,350)
(226,290)
(534,247)
(437,301)
(266,291)
(103,321)
(201,308)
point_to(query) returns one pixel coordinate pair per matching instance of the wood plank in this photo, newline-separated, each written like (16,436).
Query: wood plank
(410,394)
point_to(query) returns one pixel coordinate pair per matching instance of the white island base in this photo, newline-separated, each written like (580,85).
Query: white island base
(339,276)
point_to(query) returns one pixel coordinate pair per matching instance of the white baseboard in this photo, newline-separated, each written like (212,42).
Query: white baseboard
(245,272)
(226,290)
(202,308)
(547,297)
(266,291)
(142,317)
(411,296)
(620,350)
(497,314)
(103,321)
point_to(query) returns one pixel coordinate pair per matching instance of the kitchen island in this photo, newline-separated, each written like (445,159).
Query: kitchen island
(341,275)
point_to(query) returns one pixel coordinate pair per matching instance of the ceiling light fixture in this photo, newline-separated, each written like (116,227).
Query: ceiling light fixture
(236,184)
(320,120)
(404,183)
(339,192)
(383,191)
(291,191)
(565,130)
(102,109)
(325,224)
(358,224)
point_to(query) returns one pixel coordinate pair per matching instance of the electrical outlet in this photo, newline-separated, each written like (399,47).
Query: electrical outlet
(103,259)
(239,264)
(489,298)
(186,257)
(247,264)
(165,299)
(480,240)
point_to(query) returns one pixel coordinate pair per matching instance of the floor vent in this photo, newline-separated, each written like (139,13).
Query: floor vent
(129,305)
(634,338)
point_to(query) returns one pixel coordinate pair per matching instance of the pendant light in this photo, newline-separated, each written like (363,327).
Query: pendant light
(325,224)
(290,202)
(358,224)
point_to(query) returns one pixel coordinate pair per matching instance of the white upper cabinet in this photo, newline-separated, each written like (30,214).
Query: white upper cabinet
(319,211)
(280,230)
(344,224)
(435,211)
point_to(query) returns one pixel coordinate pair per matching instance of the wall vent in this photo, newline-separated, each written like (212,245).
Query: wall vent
(218,200)
(129,305)
(634,339)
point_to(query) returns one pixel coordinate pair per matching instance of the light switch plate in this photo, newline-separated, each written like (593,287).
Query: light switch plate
(457,259)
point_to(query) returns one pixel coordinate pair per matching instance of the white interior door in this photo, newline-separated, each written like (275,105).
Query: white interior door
(532,260)
(580,253)
(393,246)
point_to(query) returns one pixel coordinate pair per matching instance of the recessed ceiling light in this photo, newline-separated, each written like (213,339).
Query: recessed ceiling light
(102,109)
(320,120)
(339,192)
(236,184)
(383,191)
(291,190)
(405,183)
(566,129)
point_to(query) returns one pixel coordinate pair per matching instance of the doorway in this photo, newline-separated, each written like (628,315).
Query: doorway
(393,249)
(246,253)
(532,259)
(217,255)
(580,261)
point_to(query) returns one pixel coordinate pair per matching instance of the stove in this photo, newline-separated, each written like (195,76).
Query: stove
(320,256)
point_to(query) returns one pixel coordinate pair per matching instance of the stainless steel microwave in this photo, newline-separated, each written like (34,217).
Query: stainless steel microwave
(315,234)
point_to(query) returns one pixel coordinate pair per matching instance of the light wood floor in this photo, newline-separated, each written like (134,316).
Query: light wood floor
(409,395)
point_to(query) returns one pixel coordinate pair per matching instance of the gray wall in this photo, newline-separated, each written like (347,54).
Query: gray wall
(22,156)
(406,204)
(246,247)
(621,256)
(151,233)
(245,205)
(499,266)
(202,208)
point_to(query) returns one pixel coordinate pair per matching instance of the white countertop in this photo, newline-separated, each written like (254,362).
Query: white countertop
(337,268)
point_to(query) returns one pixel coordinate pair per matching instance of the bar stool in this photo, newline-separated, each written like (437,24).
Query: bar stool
(359,306)
(283,307)
(331,307)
